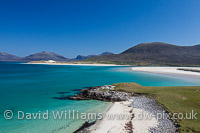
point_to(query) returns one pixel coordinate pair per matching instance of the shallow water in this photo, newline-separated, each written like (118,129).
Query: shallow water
(31,88)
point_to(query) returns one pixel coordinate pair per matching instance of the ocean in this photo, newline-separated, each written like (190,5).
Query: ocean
(32,88)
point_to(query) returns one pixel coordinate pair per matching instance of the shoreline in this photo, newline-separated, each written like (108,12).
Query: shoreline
(92,125)
(173,71)
(135,108)
(114,125)
(79,64)
(129,112)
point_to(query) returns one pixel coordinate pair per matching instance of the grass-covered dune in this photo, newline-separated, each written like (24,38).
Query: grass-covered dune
(174,99)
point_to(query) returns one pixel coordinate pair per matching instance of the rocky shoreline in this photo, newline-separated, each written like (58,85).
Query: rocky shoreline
(103,93)
(164,124)
(137,104)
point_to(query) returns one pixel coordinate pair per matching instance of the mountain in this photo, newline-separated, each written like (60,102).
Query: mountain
(8,57)
(45,56)
(155,53)
(106,53)
(81,57)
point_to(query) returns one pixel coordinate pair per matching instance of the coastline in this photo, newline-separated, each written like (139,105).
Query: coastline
(78,64)
(135,113)
(169,71)
(113,125)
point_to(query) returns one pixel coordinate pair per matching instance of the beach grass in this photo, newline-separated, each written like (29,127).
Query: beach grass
(174,99)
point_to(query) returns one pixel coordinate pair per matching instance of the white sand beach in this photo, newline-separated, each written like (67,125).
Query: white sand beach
(143,125)
(120,118)
(169,70)
(77,64)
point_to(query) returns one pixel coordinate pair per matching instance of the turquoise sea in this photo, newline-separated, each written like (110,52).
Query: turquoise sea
(35,88)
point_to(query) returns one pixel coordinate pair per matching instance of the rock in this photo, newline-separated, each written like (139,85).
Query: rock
(77,98)
(83,128)
(104,93)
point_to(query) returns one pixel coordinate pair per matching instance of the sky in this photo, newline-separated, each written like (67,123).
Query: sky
(84,27)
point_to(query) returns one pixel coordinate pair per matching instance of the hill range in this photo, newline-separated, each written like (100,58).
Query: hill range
(44,56)
(155,53)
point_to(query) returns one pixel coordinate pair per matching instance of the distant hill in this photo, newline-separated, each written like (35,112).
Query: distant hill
(45,56)
(155,53)
(106,53)
(81,57)
(5,57)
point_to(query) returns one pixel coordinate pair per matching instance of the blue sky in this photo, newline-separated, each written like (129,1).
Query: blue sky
(72,27)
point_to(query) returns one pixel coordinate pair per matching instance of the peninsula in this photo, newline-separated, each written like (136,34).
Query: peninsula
(132,99)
